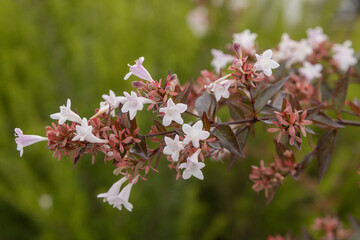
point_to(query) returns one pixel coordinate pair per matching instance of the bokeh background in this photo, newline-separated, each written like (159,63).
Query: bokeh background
(51,50)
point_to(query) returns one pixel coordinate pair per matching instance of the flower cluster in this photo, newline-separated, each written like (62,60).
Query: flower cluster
(269,178)
(291,123)
(332,228)
(242,81)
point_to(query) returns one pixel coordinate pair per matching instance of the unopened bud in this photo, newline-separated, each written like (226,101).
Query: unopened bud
(237,50)
(137,84)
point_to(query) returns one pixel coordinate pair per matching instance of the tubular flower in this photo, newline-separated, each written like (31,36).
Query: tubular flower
(66,114)
(173,112)
(194,133)
(193,167)
(111,100)
(26,140)
(310,72)
(138,70)
(220,59)
(265,63)
(133,103)
(246,39)
(83,133)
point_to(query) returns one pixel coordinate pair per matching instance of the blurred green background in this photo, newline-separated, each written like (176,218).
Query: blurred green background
(51,50)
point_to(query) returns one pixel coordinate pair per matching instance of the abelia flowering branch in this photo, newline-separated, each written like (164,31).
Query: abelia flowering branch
(292,102)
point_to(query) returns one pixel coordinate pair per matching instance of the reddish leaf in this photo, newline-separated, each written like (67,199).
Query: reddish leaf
(267,93)
(304,164)
(183,96)
(159,126)
(206,103)
(140,149)
(228,140)
(324,120)
(206,122)
(340,92)
(238,110)
(324,150)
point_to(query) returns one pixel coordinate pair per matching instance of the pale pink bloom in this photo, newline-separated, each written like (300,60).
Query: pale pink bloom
(344,55)
(194,133)
(237,5)
(26,140)
(138,70)
(66,114)
(310,71)
(113,191)
(246,39)
(173,147)
(292,51)
(221,89)
(83,133)
(316,36)
(111,100)
(173,112)
(220,59)
(198,21)
(265,63)
(133,103)
(193,167)
(116,198)
(123,198)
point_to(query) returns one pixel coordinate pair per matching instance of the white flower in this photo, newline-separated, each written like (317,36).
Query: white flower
(194,133)
(310,72)
(123,198)
(221,89)
(111,99)
(173,112)
(26,140)
(265,63)
(198,21)
(292,51)
(138,70)
(246,39)
(116,199)
(133,103)
(316,36)
(173,147)
(193,167)
(66,114)
(220,59)
(113,191)
(237,5)
(83,133)
(344,55)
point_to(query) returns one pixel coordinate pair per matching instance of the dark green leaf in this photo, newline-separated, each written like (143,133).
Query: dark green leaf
(280,149)
(227,139)
(267,93)
(325,148)
(206,103)
(140,149)
(238,110)
(340,92)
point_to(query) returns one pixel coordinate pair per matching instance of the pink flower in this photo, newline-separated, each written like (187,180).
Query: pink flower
(220,59)
(26,140)
(139,71)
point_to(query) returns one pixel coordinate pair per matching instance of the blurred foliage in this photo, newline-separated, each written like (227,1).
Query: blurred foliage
(51,50)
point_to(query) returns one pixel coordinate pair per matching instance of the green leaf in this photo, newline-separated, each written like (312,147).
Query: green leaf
(140,149)
(206,103)
(267,93)
(242,135)
(325,148)
(227,139)
(340,92)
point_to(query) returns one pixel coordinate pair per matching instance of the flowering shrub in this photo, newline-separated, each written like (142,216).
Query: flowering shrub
(291,89)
